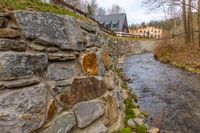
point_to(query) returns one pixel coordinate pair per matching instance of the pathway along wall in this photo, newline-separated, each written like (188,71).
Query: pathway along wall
(56,75)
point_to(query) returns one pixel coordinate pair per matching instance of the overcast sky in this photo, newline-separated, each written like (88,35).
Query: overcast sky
(136,13)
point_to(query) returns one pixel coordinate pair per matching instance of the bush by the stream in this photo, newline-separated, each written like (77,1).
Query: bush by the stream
(125,130)
(129,113)
(141,129)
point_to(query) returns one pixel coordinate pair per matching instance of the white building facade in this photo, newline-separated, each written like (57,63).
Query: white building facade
(147,32)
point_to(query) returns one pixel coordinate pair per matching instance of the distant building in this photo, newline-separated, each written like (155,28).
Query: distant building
(147,32)
(115,22)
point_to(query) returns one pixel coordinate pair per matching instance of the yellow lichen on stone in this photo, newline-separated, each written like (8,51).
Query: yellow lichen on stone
(106,59)
(89,64)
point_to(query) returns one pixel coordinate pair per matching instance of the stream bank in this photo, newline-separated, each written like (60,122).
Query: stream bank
(175,52)
(135,118)
(168,94)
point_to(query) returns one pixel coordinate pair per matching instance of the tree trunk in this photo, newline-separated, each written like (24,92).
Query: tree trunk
(190,23)
(185,21)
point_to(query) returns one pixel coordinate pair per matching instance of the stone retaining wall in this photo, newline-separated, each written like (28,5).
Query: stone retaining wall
(57,75)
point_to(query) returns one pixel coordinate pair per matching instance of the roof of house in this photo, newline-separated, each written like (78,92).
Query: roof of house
(113,19)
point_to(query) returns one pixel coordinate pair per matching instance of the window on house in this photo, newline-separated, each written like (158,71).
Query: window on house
(108,26)
(155,31)
(114,25)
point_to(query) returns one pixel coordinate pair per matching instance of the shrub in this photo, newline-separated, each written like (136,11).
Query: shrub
(141,129)
(129,113)
(125,130)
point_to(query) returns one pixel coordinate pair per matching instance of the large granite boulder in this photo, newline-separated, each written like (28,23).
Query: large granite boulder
(110,80)
(106,59)
(62,124)
(89,64)
(87,112)
(21,65)
(82,89)
(60,71)
(18,83)
(7,44)
(50,29)
(23,111)
(112,111)
(61,57)
(96,127)
(9,33)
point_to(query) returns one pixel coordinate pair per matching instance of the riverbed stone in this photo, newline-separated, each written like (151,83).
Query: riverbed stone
(138,121)
(60,71)
(131,123)
(7,44)
(49,29)
(21,65)
(23,111)
(15,84)
(82,89)
(136,112)
(89,63)
(9,33)
(61,56)
(154,130)
(87,112)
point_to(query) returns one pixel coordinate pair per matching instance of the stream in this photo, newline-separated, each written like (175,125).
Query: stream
(169,95)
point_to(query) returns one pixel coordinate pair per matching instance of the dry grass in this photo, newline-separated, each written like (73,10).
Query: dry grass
(174,51)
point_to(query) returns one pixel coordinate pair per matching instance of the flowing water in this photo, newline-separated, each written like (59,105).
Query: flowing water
(171,96)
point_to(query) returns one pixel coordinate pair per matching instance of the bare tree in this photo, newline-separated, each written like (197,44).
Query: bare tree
(115,9)
(185,21)
(83,5)
(186,7)
(100,12)
(92,8)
